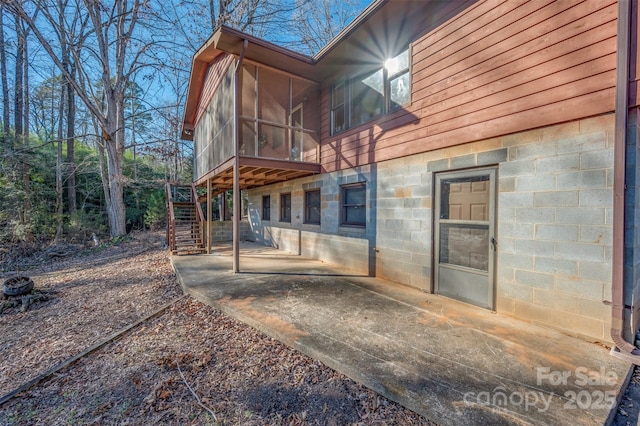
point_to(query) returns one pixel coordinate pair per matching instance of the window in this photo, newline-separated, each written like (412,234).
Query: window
(266,207)
(352,204)
(312,207)
(285,207)
(359,99)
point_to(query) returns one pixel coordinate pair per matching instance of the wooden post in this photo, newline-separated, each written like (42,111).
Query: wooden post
(209,208)
(236,164)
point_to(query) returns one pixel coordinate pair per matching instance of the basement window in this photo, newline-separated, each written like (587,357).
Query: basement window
(285,207)
(312,207)
(266,207)
(353,199)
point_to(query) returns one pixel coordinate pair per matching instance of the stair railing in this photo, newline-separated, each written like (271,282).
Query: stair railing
(199,214)
(171,219)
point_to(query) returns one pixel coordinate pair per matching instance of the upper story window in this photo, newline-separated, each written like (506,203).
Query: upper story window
(361,98)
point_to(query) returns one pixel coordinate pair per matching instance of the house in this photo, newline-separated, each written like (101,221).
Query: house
(481,150)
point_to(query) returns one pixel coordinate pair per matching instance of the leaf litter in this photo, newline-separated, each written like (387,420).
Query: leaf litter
(190,365)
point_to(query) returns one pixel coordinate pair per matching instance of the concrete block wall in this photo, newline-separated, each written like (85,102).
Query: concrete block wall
(222,231)
(330,242)
(555,227)
(554,221)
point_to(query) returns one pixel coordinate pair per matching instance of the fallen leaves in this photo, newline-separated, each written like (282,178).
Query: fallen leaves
(190,365)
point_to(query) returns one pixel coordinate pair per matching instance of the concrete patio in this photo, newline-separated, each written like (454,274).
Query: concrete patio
(451,362)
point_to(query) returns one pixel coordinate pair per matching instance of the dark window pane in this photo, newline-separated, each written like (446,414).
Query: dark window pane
(312,207)
(266,207)
(355,195)
(354,205)
(355,215)
(367,97)
(285,208)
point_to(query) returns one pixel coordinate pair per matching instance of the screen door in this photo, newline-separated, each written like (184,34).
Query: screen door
(464,234)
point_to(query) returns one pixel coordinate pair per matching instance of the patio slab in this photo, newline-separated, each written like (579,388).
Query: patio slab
(450,362)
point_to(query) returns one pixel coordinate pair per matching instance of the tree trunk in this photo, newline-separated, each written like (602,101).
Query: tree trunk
(18,89)
(71,164)
(59,166)
(26,178)
(3,76)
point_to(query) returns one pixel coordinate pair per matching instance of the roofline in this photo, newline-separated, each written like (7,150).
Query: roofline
(264,43)
(349,29)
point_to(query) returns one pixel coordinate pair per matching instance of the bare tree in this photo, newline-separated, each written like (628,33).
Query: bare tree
(317,22)
(118,55)
(3,76)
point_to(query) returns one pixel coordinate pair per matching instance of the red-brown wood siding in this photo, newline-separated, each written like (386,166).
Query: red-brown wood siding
(212,80)
(496,68)
(634,56)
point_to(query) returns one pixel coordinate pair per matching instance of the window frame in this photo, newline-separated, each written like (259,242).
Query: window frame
(347,83)
(266,207)
(283,207)
(344,206)
(307,207)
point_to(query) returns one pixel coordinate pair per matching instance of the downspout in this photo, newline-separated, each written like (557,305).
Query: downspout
(622,349)
(236,163)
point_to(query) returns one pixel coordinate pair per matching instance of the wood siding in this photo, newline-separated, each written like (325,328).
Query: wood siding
(496,68)
(215,74)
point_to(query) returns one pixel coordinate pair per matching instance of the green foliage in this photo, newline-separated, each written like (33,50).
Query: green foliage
(156,214)
(30,214)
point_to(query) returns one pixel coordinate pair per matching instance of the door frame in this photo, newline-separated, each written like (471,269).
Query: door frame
(438,177)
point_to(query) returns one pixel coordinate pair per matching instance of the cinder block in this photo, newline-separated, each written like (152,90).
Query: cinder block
(507,184)
(583,142)
(517,199)
(463,161)
(556,266)
(583,179)
(596,197)
(516,230)
(537,150)
(534,247)
(561,163)
(495,156)
(596,234)
(584,288)
(536,183)
(579,324)
(556,199)
(579,251)
(515,261)
(536,215)
(601,159)
(534,279)
(597,271)
(518,168)
(557,232)
(555,300)
(438,165)
(516,291)
(580,216)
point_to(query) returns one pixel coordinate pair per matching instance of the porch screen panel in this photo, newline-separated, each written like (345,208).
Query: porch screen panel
(273,97)
(213,134)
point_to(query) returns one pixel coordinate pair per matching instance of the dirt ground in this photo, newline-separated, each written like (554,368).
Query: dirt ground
(189,365)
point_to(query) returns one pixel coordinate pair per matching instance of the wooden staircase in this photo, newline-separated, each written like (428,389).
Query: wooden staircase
(185,221)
